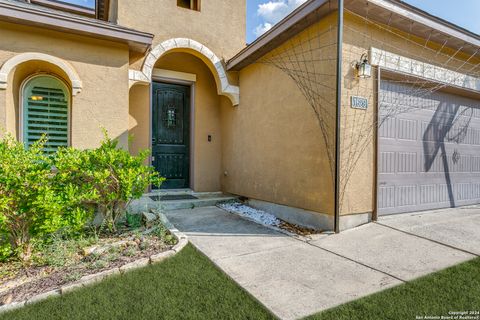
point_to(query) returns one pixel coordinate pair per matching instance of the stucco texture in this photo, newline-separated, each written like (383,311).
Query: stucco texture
(102,66)
(220,25)
(273,146)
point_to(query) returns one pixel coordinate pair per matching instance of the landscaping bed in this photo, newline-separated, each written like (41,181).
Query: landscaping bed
(65,219)
(186,286)
(65,261)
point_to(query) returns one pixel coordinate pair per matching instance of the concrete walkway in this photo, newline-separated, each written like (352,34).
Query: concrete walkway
(294,278)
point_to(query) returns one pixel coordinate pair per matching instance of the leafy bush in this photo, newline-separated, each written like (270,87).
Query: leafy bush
(134,220)
(41,193)
(108,177)
(30,204)
(5,248)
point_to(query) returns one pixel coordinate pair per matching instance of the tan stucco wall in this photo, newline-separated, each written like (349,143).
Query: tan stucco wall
(3,111)
(273,148)
(139,118)
(220,25)
(359,37)
(206,155)
(102,66)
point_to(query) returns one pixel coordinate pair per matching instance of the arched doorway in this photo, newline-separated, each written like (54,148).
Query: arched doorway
(178,118)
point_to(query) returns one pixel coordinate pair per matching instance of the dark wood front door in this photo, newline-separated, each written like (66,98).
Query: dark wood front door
(171,134)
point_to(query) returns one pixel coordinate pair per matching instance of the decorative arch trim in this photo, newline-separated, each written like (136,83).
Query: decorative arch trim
(13,62)
(184,44)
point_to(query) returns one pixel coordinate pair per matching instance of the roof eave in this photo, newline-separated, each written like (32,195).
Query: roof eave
(413,13)
(298,20)
(293,24)
(137,41)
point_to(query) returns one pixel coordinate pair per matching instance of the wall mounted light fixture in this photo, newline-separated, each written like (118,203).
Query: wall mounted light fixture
(364,69)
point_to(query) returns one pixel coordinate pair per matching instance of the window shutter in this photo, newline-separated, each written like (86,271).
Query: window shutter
(46,112)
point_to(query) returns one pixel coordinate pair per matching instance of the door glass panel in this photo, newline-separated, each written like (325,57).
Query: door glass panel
(171,118)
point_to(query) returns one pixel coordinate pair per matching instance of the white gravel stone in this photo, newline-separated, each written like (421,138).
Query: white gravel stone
(256,215)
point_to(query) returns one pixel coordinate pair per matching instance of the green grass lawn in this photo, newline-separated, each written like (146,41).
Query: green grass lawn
(189,286)
(186,286)
(453,289)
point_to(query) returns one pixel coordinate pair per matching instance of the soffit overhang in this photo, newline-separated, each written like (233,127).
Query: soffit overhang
(300,19)
(395,13)
(33,15)
(410,19)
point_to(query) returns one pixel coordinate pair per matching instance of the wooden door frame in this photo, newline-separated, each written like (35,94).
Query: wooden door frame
(187,83)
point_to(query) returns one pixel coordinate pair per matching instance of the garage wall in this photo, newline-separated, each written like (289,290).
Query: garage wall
(359,37)
(272,146)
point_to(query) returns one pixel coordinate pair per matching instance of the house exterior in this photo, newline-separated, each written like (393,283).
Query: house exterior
(258,121)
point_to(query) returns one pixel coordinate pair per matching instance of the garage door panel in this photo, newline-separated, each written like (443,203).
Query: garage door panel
(429,150)
(406,129)
(433,193)
(415,161)
(399,199)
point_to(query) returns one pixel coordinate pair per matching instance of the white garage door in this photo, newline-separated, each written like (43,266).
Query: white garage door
(429,149)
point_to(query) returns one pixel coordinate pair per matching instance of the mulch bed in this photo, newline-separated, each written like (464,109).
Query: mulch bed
(18,283)
(296,229)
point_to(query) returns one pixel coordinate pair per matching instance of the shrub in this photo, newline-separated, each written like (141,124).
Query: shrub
(30,204)
(41,193)
(5,248)
(70,181)
(108,177)
(134,220)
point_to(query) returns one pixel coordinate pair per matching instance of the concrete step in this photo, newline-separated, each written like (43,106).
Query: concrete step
(164,192)
(202,201)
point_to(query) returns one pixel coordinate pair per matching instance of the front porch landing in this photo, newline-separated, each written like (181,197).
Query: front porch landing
(152,200)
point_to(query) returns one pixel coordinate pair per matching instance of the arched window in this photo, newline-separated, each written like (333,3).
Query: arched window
(46,110)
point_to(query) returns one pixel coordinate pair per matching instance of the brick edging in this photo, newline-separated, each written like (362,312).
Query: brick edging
(97,277)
